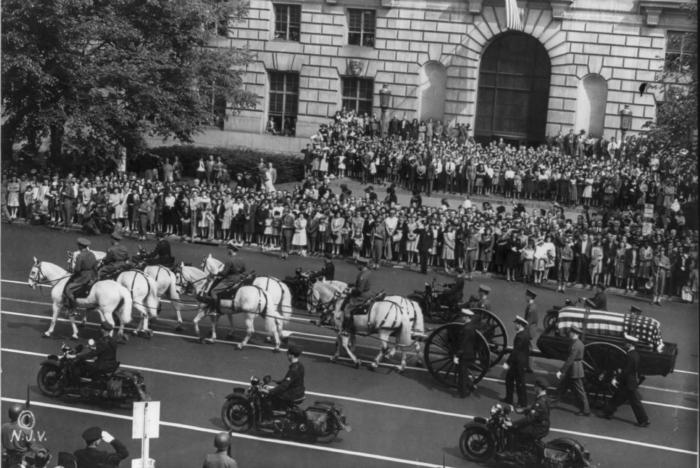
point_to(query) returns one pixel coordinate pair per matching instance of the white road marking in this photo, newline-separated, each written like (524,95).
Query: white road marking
(329,339)
(235,434)
(369,402)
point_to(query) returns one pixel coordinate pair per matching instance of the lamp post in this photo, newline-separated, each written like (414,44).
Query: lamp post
(625,121)
(384,103)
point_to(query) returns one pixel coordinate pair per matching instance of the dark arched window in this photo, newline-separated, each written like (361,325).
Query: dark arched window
(513,89)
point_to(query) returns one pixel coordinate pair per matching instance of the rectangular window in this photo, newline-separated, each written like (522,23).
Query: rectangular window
(679,51)
(287,22)
(358,94)
(284,103)
(361,26)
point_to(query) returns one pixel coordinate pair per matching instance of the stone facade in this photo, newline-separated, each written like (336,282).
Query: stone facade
(622,41)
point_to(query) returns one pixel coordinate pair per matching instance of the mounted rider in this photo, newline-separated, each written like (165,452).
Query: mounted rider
(482,300)
(360,293)
(116,260)
(84,273)
(161,254)
(229,277)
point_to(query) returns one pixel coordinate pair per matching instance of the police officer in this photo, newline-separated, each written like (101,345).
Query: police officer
(90,456)
(84,272)
(465,355)
(104,352)
(517,362)
(571,373)
(453,293)
(532,318)
(627,388)
(535,425)
(481,301)
(291,387)
(161,254)
(220,459)
(599,301)
(15,440)
(230,275)
(116,260)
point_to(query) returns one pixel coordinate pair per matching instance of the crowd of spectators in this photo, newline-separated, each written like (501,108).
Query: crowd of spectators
(610,242)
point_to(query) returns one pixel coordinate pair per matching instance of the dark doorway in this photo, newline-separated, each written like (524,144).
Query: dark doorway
(513,90)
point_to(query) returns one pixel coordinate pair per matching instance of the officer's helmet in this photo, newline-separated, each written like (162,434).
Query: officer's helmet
(14,411)
(222,440)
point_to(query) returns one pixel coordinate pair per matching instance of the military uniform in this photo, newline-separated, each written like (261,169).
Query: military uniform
(452,296)
(105,353)
(91,457)
(627,390)
(115,261)
(572,374)
(15,442)
(535,425)
(219,460)
(599,301)
(84,273)
(327,272)
(161,255)
(518,361)
(466,354)
(290,388)
(231,275)
(360,292)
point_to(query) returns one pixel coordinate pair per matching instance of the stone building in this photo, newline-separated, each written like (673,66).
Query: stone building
(569,64)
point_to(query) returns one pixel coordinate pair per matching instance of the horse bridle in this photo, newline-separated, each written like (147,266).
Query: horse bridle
(40,274)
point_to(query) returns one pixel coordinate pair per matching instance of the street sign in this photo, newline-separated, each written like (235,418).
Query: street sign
(146,420)
(138,463)
(648,210)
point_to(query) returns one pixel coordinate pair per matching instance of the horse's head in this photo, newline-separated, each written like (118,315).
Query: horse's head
(35,274)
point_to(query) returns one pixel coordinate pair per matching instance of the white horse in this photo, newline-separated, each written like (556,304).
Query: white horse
(166,282)
(393,315)
(144,291)
(108,297)
(324,294)
(251,300)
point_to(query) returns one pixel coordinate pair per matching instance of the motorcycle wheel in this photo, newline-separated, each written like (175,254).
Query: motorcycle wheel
(476,444)
(328,432)
(49,381)
(237,414)
(573,448)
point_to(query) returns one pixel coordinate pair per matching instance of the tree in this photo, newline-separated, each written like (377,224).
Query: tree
(675,128)
(98,75)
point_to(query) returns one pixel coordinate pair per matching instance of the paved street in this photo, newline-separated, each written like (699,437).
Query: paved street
(397,419)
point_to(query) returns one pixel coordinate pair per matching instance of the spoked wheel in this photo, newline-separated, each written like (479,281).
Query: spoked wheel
(601,363)
(476,444)
(49,381)
(237,414)
(442,345)
(494,331)
(550,320)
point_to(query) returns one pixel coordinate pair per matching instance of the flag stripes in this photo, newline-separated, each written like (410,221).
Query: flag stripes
(513,15)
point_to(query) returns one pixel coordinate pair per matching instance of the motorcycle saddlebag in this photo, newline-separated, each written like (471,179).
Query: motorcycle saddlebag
(554,458)
(317,418)
(114,388)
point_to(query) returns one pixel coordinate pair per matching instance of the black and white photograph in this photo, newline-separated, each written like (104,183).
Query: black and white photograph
(349,234)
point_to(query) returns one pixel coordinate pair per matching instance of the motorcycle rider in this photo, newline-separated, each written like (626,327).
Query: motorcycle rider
(15,440)
(230,275)
(104,352)
(291,387)
(84,273)
(116,260)
(161,254)
(535,425)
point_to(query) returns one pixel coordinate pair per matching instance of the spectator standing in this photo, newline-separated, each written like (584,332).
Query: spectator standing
(220,458)
(91,457)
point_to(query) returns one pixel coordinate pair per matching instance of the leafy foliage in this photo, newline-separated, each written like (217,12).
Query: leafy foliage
(100,74)
(289,168)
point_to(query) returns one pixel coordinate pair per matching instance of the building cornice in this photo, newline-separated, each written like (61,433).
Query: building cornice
(652,10)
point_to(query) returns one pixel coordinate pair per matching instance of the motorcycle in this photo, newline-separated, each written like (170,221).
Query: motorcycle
(58,377)
(243,410)
(485,439)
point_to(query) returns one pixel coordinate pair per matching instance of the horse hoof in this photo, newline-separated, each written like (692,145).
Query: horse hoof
(401,370)
(46,335)
(239,346)
(201,340)
(229,336)
(148,335)
(333,359)
(209,341)
(419,364)
(74,338)
(179,328)
(357,365)
(276,350)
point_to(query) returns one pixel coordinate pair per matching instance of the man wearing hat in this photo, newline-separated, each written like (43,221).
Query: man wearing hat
(327,273)
(360,292)
(291,387)
(161,254)
(16,441)
(91,457)
(517,363)
(84,273)
(230,275)
(627,388)
(104,352)
(535,425)
(116,260)
(465,355)
(451,296)
(482,300)
(571,373)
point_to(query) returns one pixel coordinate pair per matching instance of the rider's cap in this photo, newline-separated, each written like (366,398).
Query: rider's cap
(106,326)
(484,288)
(630,338)
(116,236)
(635,310)
(467,312)
(294,350)
(530,293)
(575,329)
(541,382)
(520,321)
(83,242)
(91,434)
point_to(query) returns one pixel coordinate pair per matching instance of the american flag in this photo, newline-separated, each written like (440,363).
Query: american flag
(513,15)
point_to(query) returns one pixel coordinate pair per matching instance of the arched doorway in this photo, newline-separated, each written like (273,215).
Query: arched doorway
(590,104)
(513,89)
(433,78)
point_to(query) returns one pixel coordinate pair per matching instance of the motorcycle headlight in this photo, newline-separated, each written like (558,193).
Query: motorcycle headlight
(495,409)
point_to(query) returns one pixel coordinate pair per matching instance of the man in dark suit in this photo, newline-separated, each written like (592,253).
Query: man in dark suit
(161,254)
(582,257)
(465,355)
(599,301)
(627,388)
(571,373)
(425,243)
(91,457)
(532,318)
(517,363)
